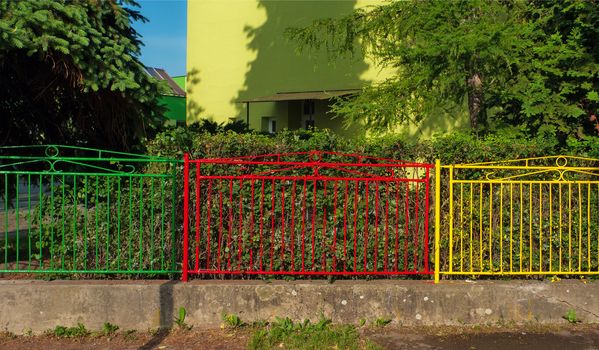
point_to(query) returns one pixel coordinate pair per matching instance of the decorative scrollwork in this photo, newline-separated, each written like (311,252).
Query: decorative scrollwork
(555,168)
(68,159)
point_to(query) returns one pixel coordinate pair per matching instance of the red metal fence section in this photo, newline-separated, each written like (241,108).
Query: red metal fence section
(309,213)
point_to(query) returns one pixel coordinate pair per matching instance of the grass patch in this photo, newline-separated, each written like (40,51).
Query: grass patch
(285,334)
(70,332)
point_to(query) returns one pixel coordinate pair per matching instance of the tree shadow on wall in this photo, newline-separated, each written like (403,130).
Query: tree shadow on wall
(193,109)
(278,67)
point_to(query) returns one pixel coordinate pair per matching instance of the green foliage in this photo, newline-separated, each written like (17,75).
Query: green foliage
(70,74)
(382,321)
(180,319)
(453,148)
(571,317)
(531,65)
(109,329)
(284,333)
(233,321)
(70,332)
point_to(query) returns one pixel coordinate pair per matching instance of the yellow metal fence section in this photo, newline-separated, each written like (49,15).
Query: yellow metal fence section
(534,216)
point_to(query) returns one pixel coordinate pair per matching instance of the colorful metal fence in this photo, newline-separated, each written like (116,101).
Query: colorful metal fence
(521,217)
(312,213)
(80,210)
(85,211)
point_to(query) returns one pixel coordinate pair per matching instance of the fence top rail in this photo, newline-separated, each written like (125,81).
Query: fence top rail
(77,154)
(71,160)
(559,161)
(554,169)
(314,158)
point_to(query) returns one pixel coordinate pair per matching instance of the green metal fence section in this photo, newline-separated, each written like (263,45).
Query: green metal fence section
(84,211)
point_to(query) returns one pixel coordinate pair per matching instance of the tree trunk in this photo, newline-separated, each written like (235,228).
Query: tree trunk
(475,99)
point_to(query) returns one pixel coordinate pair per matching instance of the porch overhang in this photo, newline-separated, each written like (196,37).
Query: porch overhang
(302,95)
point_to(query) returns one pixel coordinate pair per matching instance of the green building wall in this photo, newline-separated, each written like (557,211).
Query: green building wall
(237,50)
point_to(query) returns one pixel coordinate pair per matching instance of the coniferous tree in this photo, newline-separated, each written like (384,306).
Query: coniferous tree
(531,65)
(70,74)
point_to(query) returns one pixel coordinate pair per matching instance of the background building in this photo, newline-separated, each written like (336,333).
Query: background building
(242,66)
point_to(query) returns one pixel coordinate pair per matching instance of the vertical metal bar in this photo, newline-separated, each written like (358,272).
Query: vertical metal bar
(17,214)
(334,250)
(386,244)
(589,227)
(107,222)
(396,264)
(511,226)
(140,238)
(530,219)
(550,229)
(198,212)
(490,227)
(521,223)
(62,218)
(130,235)
(272,224)
(313,221)
(118,229)
(437,217)
(220,227)
(501,228)
(303,226)
(540,227)
(51,225)
(152,226)
(41,222)
(208,227)
(471,220)
(416,229)
(185,263)
(293,191)
(451,199)
(230,221)
(29,217)
(162,216)
(480,227)
(261,224)
(75,222)
(356,227)
(407,227)
(560,228)
(426,218)
(579,227)
(345,225)
(282,227)
(569,227)
(324,227)
(6,222)
(366,227)
(240,235)
(252,227)
(376,225)
(461,227)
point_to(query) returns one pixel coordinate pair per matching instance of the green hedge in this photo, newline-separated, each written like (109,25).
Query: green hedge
(452,148)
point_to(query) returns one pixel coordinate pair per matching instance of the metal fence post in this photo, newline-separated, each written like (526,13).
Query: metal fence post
(437,216)
(185,217)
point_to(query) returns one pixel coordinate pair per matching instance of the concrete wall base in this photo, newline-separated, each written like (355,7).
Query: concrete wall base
(39,305)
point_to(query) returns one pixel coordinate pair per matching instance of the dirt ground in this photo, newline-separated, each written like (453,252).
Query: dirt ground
(563,337)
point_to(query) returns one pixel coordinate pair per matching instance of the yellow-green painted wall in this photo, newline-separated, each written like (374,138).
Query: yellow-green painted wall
(237,50)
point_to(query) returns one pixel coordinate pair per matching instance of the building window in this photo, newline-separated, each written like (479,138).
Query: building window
(308,114)
(272,125)
(308,107)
